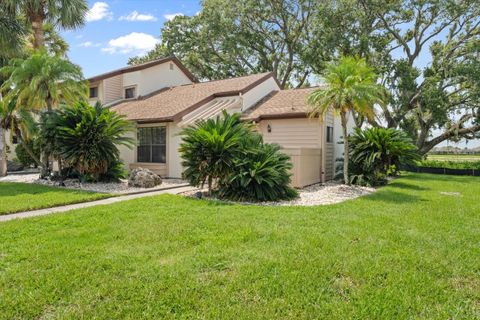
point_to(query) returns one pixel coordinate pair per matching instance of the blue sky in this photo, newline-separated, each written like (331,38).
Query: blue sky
(118,29)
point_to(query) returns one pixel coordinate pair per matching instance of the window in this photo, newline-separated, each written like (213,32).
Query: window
(93,92)
(151,144)
(130,93)
(329,134)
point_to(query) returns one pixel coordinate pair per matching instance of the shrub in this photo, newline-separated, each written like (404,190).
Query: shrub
(86,138)
(376,153)
(209,148)
(261,173)
(234,161)
(23,156)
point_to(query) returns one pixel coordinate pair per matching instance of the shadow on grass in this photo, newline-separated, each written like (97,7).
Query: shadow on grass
(391,196)
(406,186)
(11,189)
(434,177)
(210,202)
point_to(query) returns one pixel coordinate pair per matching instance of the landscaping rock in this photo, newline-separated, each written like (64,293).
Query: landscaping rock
(14,166)
(143,178)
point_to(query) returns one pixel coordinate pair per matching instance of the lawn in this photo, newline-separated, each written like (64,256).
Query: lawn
(409,251)
(454,157)
(15,197)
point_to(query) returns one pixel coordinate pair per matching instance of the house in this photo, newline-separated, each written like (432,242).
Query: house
(162,97)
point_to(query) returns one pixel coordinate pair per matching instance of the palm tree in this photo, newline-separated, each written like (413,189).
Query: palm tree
(43,81)
(350,87)
(12,33)
(64,14)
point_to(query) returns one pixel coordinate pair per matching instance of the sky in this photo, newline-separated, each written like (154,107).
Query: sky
(116,30)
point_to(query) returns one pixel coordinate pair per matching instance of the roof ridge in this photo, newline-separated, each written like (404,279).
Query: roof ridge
(245,76)
(304,88)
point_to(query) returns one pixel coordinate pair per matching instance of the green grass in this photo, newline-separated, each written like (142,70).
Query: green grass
(454,157)
(405,252)
(15,197)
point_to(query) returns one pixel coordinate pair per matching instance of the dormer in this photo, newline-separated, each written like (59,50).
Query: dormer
(139,80)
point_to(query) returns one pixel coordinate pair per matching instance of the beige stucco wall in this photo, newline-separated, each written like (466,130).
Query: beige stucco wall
(173,156)
(172,168)
(127,155)
(155,78)
(251,97)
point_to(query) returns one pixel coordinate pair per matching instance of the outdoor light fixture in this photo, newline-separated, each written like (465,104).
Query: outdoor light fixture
(269,128)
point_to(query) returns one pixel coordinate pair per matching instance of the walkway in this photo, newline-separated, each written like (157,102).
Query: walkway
(43,212)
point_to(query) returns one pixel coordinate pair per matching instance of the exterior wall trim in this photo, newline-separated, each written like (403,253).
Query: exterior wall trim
(145,66)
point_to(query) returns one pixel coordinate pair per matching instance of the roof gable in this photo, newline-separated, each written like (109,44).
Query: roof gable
(142,67)
(171,104)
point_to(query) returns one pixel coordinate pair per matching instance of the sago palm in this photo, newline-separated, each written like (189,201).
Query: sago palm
(210,147)
(87,137)
(261,173)
(383,150)
(350,85)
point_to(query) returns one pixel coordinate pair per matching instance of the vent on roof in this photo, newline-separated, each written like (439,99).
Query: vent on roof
(171,66)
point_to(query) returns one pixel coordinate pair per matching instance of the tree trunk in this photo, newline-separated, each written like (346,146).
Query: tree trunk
(27,147)
(3,153)
(45,172)
(37,26)
(343,116)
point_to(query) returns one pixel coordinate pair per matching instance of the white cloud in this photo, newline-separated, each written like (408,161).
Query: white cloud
(88,44)
(99,11)
(136,16)
(135,42)
(170,16)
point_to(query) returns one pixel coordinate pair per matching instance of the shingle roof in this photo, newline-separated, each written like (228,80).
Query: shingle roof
(172,103)
(281,104)
(144,66)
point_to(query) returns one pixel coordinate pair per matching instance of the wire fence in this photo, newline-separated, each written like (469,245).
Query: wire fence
(456,172)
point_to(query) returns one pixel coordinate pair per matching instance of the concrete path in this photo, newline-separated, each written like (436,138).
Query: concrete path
(42,212)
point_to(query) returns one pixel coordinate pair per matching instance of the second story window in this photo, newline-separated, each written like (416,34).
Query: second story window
(93,92)
(329,134)
(130,93)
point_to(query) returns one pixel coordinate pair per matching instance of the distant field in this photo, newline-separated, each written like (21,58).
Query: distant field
(454,157)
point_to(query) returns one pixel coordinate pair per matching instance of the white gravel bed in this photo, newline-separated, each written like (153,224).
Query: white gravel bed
(318,194)
(328,193)
(110,187)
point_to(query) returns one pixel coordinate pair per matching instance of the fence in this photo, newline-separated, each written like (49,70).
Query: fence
(457,172)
